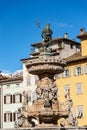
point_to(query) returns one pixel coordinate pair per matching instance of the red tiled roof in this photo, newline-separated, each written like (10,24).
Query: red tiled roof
(9,79)
(76,57)
(2,77)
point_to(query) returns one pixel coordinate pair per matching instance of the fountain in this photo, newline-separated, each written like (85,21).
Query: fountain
(46,111)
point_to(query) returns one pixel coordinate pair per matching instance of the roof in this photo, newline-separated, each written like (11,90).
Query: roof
(76,57)
(10,79)
(26,59)
(2,77)
(57,39)
(82,34)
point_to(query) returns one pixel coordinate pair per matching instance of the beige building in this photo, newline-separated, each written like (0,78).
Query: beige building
(74,79)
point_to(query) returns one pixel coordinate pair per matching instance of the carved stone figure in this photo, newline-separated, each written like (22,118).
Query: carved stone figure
(72,120)
(25,101)
(39,92)
(68,100)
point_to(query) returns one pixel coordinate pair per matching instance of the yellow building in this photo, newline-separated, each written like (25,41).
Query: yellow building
(75,78)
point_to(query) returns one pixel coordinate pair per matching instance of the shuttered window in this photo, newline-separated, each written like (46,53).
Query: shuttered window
(14,98)
(14,116)
(78,70)
(4,117)
(28,80)
(85,69)
(7,99)
(57,76)
(4,99)
(66,73)
(17,98)
(8,117)
(80,111)
(20,98)
(66,88)
(79,88)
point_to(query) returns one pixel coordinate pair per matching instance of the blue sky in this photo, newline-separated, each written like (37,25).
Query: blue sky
(18,29)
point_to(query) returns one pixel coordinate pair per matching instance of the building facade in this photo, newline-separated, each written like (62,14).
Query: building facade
(74,79)
(11,100)
(60,47)
(29,84)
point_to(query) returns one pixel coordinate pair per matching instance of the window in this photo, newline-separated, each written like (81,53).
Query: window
(8,117)
(36,78)
(29,96)
(66,88)
(71,46)
(66,73)
(56,76)
(17,85)
(60,44)
(7,99)
(34,96)
(28,80)
(8,85)
(17,98)
(79,88)
(14,116)
(80,111)
(85,69)
(78,70)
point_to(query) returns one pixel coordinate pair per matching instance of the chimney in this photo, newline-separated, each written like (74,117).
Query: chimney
(83,37)
(66,35)
(74,39)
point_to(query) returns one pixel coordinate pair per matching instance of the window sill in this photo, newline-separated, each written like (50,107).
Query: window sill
(79,93)
(66,77)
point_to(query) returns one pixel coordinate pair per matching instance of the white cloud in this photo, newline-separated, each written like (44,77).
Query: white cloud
(17,73)
(9,74)
(6,73)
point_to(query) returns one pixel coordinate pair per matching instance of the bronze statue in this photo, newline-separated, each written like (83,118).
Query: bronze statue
(47,34)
